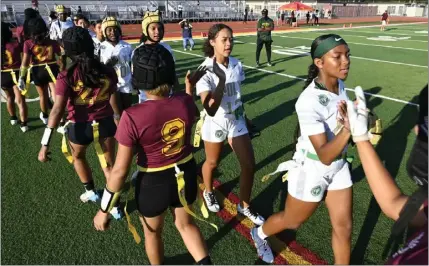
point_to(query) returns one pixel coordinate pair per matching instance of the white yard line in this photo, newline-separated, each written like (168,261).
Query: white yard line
(365,44)
(295,77)
(363,58)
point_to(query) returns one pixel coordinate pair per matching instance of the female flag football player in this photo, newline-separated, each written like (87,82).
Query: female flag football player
(41,52)
(88,88)
(318,165)
(152,33)
(116,52)
(408,211)
(221,97)
(11,51)
(164,155)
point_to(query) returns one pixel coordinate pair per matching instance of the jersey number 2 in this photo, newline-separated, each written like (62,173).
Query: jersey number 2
(173,134)
(43,53)
(86,97)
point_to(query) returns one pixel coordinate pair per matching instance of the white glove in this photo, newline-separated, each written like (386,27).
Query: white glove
(358,117)
(21,84)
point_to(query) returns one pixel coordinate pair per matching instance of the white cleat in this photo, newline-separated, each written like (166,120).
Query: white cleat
(24,128)
(211,201)
(13,122)
(251,214)
(89,195)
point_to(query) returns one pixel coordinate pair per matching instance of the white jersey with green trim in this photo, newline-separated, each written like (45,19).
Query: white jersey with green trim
(122,51)
(317,113)
(234,73)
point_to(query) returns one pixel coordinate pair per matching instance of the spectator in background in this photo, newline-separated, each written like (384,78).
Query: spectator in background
(246,12)
(277,17)
(187,34)
(316,17)
(180,8)
(76,19)
(61,24)
(308,16)
(251,14)
(52,17)
(35,4)
(282,16)
(264,26)
(79,10)
(99,37)
(84,23)
(384,19)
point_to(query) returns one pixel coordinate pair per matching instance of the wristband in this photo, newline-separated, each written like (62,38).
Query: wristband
(46,139)
(109,200)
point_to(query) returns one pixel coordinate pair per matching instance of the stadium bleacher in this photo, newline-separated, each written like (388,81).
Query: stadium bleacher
(127,11)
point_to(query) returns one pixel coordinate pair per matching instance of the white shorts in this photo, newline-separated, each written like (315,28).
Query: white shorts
(310,181)
(383,22)
(217,129)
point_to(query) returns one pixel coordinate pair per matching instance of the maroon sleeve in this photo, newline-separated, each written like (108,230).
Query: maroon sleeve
(61,87)
(126,132)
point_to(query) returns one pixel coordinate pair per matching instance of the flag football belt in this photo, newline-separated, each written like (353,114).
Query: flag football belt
(28,75)
(288,165)
(12,73)
(197,134)
(181,188)
(96,136)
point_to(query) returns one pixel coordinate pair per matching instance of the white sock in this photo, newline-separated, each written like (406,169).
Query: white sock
(261,233)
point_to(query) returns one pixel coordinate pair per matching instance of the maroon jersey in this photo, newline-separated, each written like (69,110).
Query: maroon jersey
(12,56)
(42,53)
(384,16)
(161,129)
(415,251)
(87,104)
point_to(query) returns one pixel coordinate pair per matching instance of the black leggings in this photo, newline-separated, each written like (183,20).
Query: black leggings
(259,45)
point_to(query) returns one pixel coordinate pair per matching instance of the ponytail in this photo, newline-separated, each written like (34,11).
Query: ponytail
(313,72)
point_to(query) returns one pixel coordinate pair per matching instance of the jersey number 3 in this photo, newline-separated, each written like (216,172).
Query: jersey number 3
(173,134)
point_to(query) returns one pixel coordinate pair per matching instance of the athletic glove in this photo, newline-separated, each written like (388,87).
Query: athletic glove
(21,84)
(358,117)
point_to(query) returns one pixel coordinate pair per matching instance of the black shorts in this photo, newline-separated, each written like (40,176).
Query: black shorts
(81,133)
(293,19)
(157,191)
(6,79)
(41,75)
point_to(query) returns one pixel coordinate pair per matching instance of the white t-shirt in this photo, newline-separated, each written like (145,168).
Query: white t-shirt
(123,51)
(97,45)
(317,113)
(231,99)
(168,47)
(58,27)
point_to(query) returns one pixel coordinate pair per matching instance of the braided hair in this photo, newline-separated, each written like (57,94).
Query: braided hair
(79,47)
